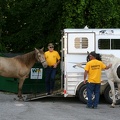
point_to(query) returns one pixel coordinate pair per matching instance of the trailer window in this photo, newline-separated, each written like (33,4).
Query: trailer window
(115,43)
(109,43)
(81,43)
(104,43)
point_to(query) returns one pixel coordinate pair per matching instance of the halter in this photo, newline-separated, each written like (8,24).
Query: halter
(40,57)
(43,61)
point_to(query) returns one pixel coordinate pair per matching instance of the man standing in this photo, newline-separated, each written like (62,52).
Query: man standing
(53,59)
(93,69)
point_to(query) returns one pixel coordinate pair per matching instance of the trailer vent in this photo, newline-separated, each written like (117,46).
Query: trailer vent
(81,43)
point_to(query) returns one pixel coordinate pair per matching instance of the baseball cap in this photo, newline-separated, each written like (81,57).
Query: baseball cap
(50,45)
(93,54)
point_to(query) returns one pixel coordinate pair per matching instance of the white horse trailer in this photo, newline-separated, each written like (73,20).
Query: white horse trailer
(74,46)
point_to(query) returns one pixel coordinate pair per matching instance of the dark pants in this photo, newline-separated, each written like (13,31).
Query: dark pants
(93,88)
(50,73)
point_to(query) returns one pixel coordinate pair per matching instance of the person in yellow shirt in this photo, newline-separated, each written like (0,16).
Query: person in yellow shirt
(93,69)
(53,59)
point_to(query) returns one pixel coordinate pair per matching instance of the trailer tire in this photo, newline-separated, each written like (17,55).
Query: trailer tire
(83,94)
(108,95)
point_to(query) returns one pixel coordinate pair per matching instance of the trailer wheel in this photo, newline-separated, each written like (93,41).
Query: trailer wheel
(108,95)
(83,94)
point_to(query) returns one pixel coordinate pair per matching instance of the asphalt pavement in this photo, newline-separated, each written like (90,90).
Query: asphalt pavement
(54,108)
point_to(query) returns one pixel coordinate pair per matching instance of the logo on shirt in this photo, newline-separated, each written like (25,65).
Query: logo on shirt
(94,67)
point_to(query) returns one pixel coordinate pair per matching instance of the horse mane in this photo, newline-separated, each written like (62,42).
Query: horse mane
(98,57)
(26,58)
(107,58)
(107,55)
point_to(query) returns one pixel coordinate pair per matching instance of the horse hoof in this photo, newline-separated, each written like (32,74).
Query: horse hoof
(112,106)
(18,99)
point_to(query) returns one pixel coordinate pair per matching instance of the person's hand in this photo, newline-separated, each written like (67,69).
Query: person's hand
(85,81)
(55,65)
(110,65)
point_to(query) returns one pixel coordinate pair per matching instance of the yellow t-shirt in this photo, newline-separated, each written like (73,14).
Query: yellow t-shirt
(94,68)
(52,57)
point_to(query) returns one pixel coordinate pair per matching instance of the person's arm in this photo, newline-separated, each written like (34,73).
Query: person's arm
(56,63)
(85,76)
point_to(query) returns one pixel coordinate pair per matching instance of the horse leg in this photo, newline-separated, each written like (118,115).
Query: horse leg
(111,83)
(21,81)
(118,90)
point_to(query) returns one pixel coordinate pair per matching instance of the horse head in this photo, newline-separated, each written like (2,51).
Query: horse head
(98,56)
(40,57)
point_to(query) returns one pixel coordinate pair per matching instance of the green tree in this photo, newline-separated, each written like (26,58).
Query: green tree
(104,14)
(95,14)
(25,24)
(31,23)
(2,23)
(74,13)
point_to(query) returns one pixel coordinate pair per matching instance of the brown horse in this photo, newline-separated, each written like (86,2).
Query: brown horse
(20,66)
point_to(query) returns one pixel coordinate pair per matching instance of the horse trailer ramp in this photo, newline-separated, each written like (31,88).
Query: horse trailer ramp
(32,97)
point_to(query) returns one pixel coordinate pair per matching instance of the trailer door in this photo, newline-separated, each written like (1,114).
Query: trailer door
(75,47)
